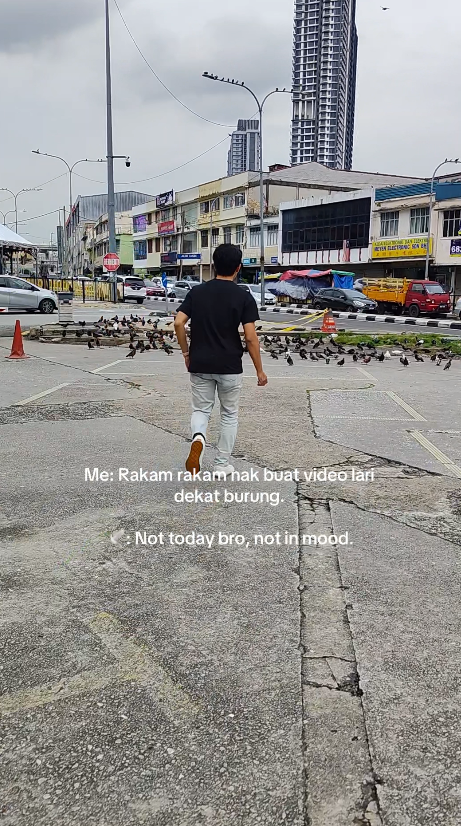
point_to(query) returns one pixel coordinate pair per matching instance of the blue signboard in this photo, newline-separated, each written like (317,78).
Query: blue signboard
(246,261)
(164,281)
(189,256)
(274,259)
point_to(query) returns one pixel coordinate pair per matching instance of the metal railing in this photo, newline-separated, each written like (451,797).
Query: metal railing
(93,290)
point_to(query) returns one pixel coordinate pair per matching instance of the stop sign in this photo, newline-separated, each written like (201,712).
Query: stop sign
(111,261)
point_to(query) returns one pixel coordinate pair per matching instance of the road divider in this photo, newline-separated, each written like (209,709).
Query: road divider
(423,322)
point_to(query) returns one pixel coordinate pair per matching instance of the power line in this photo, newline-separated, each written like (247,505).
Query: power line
(162,174)
(24,220)
(4,200)
(161,81)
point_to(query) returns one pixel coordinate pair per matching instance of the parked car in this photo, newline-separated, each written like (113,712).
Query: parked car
(458,308)
(154,288)
(179,289)
(18,294)
(332,298)
(133,288)
(255,290)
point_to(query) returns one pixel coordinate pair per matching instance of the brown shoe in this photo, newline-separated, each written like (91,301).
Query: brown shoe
(196,450)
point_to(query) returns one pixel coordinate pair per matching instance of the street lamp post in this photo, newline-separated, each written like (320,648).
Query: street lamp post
(110,153)
(429,220)
(5,214)
(16,196)
(70,168)
(260,105)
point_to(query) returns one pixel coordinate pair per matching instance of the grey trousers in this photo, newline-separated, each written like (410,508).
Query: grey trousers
(204,387)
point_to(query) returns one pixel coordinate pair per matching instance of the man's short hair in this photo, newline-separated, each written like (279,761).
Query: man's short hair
(227,258)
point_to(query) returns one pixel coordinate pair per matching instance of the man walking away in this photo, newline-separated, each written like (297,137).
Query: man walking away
(216,309)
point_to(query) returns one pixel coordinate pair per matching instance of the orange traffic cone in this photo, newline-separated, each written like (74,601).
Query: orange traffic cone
(329,325)
(17,348)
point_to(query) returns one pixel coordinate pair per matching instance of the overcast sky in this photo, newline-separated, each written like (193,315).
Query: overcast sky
(52,70)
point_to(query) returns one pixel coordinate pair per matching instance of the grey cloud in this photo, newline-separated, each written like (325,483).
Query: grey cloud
(27,24)
(239,55)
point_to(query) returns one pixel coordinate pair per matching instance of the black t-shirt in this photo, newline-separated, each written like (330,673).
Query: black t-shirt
(216,309)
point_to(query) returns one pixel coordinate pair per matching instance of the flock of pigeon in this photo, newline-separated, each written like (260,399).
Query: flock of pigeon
(362,353)
(117,328)
(320,350)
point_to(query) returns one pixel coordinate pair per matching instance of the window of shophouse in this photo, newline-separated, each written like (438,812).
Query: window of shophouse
(139,250)
(255,237)
(228,202)
(240,234)
(239,199)
(157,244)
(419,221)
(215,236)
(150,245)
(327,226)
(227,235)
(139,223)
(165,214)
(209,206)
(451,223)
(189,244)
(389,224)
(272,235)
(170,243)
(204,238)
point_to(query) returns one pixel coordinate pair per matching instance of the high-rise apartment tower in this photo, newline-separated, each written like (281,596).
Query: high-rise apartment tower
(244,149)
(324,80)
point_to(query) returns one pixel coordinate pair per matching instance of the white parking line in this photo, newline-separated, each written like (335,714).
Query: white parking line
(441,457)
(41,395)
(410,410)
(105,366)
(365,373)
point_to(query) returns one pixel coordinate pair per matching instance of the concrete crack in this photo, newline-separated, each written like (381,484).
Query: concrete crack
(335,674)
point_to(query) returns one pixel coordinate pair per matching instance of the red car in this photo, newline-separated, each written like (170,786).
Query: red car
(154,289)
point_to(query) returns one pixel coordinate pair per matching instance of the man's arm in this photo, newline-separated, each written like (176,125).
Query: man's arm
(180,330)
(252,342)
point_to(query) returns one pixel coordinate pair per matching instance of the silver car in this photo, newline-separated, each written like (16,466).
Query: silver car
(18,294)
(179,289)
(255,290)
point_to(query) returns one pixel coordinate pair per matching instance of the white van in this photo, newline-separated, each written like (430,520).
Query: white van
(131,288)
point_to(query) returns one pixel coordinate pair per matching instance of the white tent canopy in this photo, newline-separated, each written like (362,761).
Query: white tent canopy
(8,238)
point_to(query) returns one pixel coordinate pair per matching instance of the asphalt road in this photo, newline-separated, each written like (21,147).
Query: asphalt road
(91,314)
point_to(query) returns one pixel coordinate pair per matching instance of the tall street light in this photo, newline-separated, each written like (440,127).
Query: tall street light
(260,105)
(16,196)
(70,168)
(429,220)
(5,214)
(110,154)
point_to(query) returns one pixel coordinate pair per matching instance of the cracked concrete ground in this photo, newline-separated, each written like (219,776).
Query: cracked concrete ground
(313,685)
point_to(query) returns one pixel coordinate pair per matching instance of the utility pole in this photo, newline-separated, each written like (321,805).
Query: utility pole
(181,243)
(211,237)
(110,155)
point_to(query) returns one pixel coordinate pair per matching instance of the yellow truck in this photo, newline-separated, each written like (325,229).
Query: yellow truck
(400,295)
